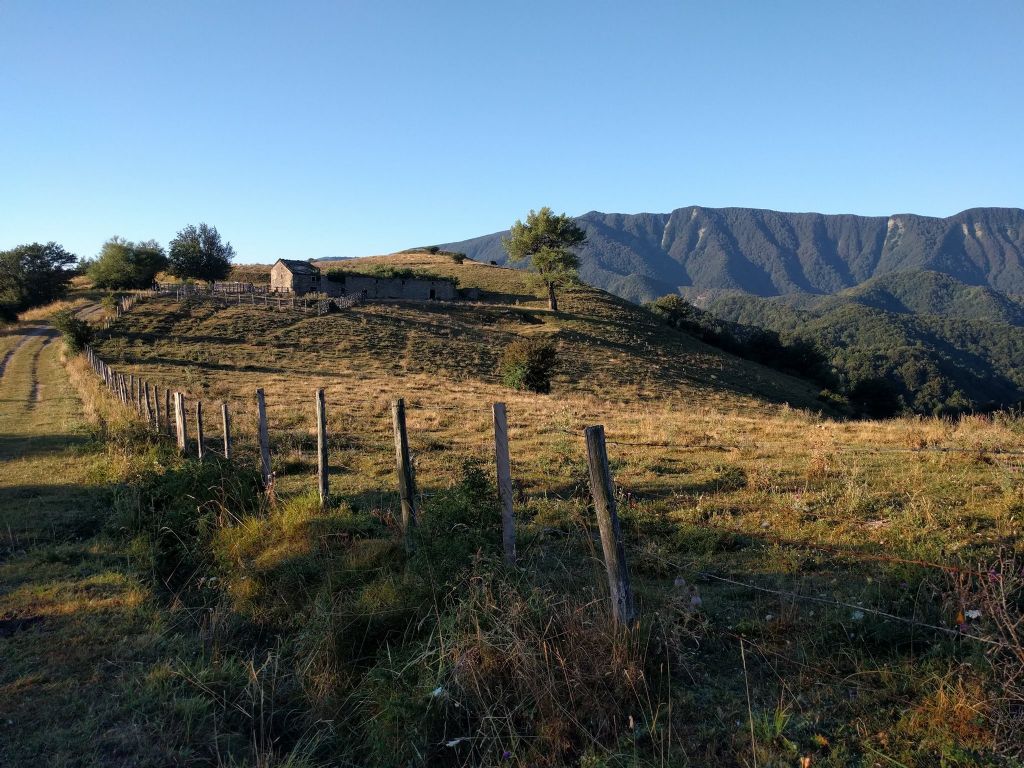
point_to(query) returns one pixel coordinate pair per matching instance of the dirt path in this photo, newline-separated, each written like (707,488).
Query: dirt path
(23,337)
(79,631)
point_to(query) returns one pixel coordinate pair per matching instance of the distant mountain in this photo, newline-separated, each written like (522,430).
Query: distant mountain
(696,251)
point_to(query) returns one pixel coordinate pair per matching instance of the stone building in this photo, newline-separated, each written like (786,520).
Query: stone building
(300,277)
(293,276)
(372,287)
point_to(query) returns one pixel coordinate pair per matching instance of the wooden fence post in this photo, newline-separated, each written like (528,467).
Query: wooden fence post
(156,408)
(501,460)
(601,488)
(225,419)
(261,407)
(149,406)
(167,409)
(179,419)
(322,465)
(199,429)
(406,480)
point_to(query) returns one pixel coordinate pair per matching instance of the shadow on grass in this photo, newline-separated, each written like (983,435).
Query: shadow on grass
(22,446)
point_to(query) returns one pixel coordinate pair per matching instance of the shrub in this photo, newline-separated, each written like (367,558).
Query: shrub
(529,364)
(458,524)
(77,333)
(458,258)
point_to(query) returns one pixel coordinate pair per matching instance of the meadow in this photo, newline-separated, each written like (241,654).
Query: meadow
(811,588)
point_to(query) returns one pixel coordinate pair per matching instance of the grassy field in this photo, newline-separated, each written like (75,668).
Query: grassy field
(78,630)
(784,561)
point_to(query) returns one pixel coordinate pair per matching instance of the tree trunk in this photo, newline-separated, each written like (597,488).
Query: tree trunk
(552,299)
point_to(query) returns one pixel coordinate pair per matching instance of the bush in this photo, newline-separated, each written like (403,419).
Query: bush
(529,364)
(77,333)
(458,258)
(459,524)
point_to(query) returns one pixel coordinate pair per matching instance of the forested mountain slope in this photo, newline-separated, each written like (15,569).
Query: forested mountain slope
(921,339)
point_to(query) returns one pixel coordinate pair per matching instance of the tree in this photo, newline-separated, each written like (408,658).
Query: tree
(31,275)
(546,240)
(198,252)
(124,264)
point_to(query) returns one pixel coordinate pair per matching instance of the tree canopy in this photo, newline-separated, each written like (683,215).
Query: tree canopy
(33,274)
(546,241)
(197,252)
(124,264)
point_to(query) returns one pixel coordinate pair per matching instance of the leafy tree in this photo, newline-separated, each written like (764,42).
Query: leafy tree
(31,275)
(546,241)
(124,264)
(197,252)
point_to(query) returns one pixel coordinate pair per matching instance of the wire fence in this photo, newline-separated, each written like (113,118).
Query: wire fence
(241,431)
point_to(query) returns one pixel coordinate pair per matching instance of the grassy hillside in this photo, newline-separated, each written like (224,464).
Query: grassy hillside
(773,551)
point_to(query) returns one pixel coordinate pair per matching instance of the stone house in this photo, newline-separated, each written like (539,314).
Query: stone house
(293,276)
(300,277)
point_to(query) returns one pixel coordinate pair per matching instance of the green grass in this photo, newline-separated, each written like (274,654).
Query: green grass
(101,666)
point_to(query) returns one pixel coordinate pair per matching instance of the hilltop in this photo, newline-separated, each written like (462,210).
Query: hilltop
(608,345)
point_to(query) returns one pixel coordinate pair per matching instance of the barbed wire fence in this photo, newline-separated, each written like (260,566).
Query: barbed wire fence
(170,413)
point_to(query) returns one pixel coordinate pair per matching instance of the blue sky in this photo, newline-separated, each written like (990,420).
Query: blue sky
(312,129)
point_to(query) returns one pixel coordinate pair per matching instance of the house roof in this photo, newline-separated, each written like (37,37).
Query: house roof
(297,267)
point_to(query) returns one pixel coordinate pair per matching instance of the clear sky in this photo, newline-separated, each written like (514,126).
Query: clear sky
(312,129)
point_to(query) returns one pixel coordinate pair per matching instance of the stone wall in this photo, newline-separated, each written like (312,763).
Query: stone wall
(414,288)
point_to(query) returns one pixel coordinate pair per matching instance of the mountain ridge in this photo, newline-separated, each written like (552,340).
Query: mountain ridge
(771,253)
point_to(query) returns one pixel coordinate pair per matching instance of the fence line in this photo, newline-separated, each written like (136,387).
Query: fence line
(134,394)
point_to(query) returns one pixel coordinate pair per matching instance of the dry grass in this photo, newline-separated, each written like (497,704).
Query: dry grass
(715,471)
